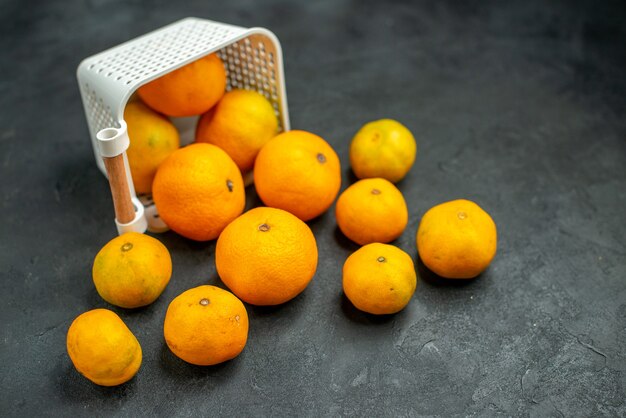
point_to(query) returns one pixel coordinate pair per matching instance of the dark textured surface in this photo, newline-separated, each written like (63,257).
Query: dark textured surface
(518,106)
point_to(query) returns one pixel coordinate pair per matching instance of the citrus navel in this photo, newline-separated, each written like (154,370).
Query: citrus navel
(152,139)
(299,172)
(132,270)
(371,210)
(383,148)
(198,190)
(457,239)
(189,90)
(102,348)
(206,325)
(266,256)
(241,123)
(379,279)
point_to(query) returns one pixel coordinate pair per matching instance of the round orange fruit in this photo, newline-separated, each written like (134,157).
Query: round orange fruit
(383,148)
(206,325)
(299,172)
(198,190)
(371,210)
(102,348)
(266,256)
(189,90)
(241,123)
(132,270)
(379,279)
(152,139)
(457,239)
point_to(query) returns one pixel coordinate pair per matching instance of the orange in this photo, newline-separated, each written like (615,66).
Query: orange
(371,210)
(457,239)
(299,172)
(188,91)
(206,325)
(102,348)
(152,139)
(198,190)
(383,148)
(266,256)
(379,279)
(241,123)
(132,270)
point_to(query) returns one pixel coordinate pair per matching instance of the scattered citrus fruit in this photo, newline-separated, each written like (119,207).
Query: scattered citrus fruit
(383,148)
(379,279)
(371,210)
(198,190)
(241,123)
(299,172)
(132,270)
(152,139)
(102,348)
(188,91)
(206,325)
(266,256)
(457,239)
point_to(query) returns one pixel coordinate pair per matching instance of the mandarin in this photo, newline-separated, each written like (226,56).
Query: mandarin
(457,239)
(379,279)
(383,148)
(371,210)
(132,270)
(198,190)
(266,256)
(206,325)
(102,348)
(189,90)
(152,139)
(299,172)
(241,123)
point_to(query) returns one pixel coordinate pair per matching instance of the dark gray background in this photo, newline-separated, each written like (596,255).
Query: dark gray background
(519,106)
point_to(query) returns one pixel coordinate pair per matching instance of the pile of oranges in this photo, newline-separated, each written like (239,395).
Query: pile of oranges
(267,255)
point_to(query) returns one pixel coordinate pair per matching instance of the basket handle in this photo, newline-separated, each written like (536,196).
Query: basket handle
(124,210)
(129,213)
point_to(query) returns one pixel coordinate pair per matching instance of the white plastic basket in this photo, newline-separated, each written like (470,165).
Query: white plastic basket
(252,58)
